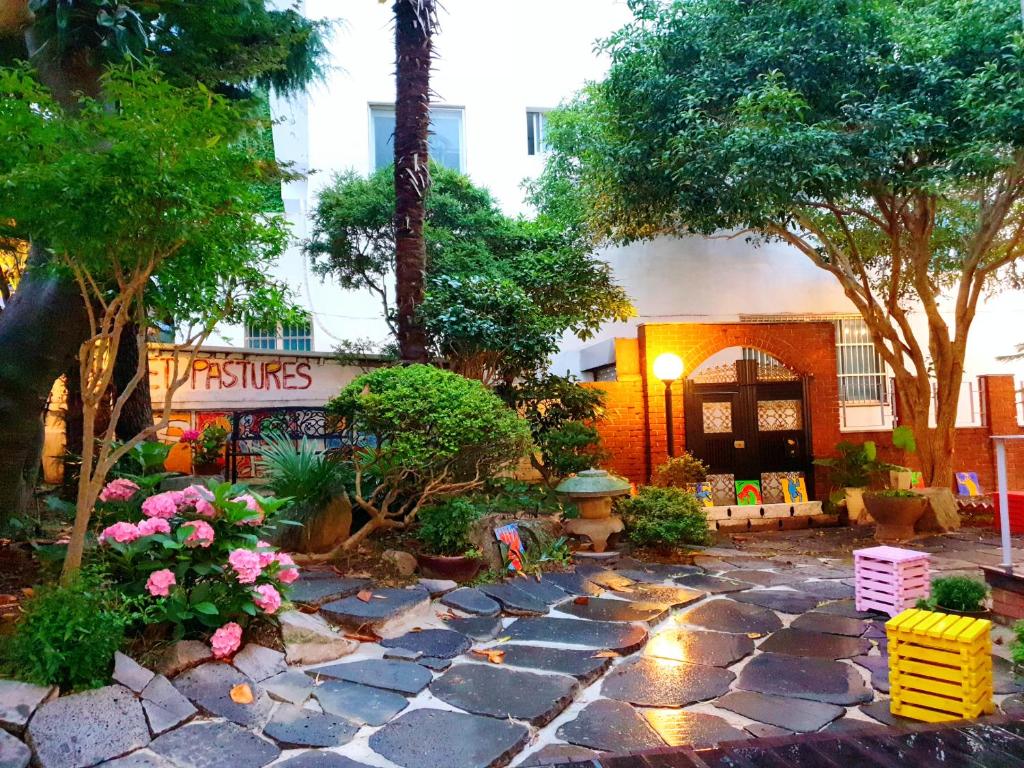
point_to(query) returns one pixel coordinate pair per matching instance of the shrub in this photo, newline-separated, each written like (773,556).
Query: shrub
(68,635)
(198,558)
(1017,649)
(664,517)
(680,472)
(444,528)
(956,593)
(417,434)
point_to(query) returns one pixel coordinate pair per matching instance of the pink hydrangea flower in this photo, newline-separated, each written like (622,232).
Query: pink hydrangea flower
(122,533)
(266,553)
(118,490)
(153,525)
(160,582)
(268,599)
(189,436)
(163,505)
(246,564)
(225,641)
(253,506)
(202,533)
(289,571)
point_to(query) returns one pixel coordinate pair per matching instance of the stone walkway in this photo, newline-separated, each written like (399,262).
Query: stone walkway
(756,640)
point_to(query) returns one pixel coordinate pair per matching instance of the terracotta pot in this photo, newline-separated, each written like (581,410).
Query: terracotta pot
(896,516)
(984,613)
(206,468)
(457,568)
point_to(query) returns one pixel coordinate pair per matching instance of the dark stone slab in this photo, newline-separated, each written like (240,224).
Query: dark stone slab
(291,687)
(714,585)
(781,600)
(317,591)
(208,686)
(712,564)
(572,583)
(477,627)
(830,624)
(384,606)
(440,643)
(879,710)
(430,738)
(624,638)
(558,755)
(471,600)
(434,663)
(87,728)
(359,704)
(830,682)
(655,572)
(258,662)
(19,700)
(1004,677)
(826,590)
(579,664)
(215,745)
(544,591)
(731,616)
(845,608)
(713,649)
(141,759)
(791,714)
(649,682)
(675,597)
(765,731)
(486,689)
(1012,705)
(799,642)
(403,654)
(316,758)
(824,572)
(609,609)
(165,706)
(766,578)
(13,753)
(514,600)
(680,728)
(853,725)
(130,673)
(611,726)
(294,727)
(401,676)
(878,666)
(605,578)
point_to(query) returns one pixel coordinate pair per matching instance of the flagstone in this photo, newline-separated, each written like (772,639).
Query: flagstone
(514,600)
(730,616)
(610,609)
(781,600)
(165,706)
(799,642)
(209,687)
(585,666)
(429,738)
(321,590)
(650,682)
(439,643)
(401,676)
(824,680)
(680,728)
(471,600)
(714,585)
(715,649)
(359,704)
(211,744)
(13,753)
(293,727)
(611,726)
(18,701)
(613,636)
(291,687)
(480,628)
(486,689)
(381,613)
(791,714)
(830,624)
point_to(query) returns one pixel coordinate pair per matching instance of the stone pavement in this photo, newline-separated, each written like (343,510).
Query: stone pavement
(758,638)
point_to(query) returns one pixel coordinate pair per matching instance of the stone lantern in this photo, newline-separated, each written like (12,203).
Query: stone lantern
(592,491)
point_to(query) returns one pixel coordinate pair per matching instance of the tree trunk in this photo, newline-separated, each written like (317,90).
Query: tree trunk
(72,428)
(137,413)
(40,332)
(414,24)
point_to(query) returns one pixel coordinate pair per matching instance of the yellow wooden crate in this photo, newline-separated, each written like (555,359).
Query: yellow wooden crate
(971,675)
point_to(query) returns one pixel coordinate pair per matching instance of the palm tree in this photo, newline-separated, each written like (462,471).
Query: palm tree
(415,22)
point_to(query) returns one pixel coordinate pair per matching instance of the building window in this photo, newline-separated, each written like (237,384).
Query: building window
(445,136)
(536,132)
(290,337)
(862,375)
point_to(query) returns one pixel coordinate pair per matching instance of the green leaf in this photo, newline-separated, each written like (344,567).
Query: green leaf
(205,607)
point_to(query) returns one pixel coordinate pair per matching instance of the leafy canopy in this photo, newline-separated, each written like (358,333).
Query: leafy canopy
(501,292)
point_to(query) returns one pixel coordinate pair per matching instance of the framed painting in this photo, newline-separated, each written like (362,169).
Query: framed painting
(794,490)
(748,492)
(967,484)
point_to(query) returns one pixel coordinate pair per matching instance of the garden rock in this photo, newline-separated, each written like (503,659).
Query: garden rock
(293,727)
(402,676)
(359,704)
(404,563)
(623,638)
(941,515)
(429,738)
(791,714)
(484,689)
(209,687)
(164,706)
(830,682)
(309,639)
(258,662)
(714,649)
(87,728)
(514,600)
(649,682)
(698,730)
(611,726)
(204,745)
(13,754)
(471,600)
(130,673)
(730,616)
(585,666)
(387,613)
(19,700)
(181,656)
(439,643)
(291,687)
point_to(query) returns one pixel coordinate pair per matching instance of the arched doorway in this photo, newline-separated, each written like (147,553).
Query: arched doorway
(747,417)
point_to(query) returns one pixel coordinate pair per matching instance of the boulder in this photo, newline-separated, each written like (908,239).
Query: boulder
(402,562)
(481,534)
(309,639)
(941,515)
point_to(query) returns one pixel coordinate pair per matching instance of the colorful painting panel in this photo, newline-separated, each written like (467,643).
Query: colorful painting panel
(794,490)
(967,484)
(748,493)
(703,492)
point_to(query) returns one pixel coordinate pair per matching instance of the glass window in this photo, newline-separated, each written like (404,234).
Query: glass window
(536,132)
(862,376)
(445,136)
(260,338)
(297,337)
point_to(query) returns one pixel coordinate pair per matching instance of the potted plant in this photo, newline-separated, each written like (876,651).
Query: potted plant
(958,595)
(207,447)
(896,512)
(851,471)
(899,476)
(444,533)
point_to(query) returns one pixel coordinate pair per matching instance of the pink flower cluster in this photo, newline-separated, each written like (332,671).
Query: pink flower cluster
(118,490)
(125,533)
(189,436)
(163,505)
(225,641)
(253,506)
(202,533)
(160,582)
(267,598)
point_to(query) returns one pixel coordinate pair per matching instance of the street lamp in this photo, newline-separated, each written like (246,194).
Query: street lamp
(668,367)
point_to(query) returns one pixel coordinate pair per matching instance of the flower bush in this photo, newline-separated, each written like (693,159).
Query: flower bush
(207,446)
(199,556)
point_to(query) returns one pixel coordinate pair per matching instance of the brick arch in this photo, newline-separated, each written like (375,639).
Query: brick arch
(691,370)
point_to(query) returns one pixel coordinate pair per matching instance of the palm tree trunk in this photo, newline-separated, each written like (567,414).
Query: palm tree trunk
(414,25)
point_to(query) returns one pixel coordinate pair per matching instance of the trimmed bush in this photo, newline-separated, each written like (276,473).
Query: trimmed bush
(680,472)
(957,593)
(444,528)
(664,517)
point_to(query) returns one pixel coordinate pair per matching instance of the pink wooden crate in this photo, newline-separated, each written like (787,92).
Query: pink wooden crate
(890,579)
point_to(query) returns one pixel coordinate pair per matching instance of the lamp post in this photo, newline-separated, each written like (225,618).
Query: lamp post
(668,367)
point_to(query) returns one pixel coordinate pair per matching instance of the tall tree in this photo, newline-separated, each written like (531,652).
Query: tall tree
(229,46)
(415,22)
(880,138)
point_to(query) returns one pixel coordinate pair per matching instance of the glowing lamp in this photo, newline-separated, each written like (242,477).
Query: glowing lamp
(668,366)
